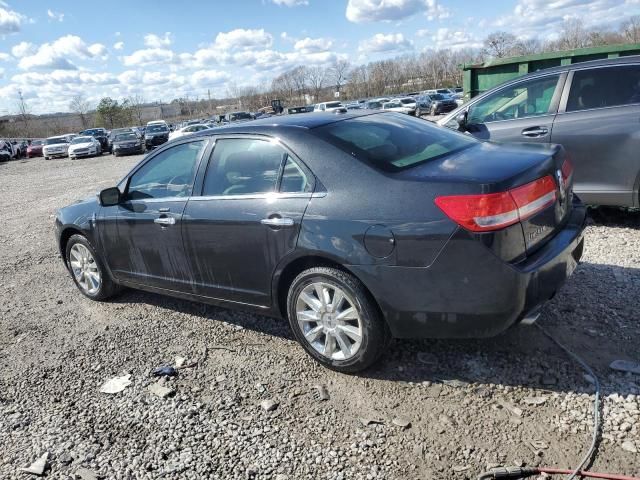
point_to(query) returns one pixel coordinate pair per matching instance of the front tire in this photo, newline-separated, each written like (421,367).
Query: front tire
(87,270)
(335,319)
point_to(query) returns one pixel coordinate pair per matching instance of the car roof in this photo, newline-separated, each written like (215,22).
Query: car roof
(301,120)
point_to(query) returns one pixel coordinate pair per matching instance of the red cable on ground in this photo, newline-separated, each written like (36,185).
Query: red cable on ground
(606,476)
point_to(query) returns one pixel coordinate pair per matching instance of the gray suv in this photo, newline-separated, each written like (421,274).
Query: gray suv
(591,108)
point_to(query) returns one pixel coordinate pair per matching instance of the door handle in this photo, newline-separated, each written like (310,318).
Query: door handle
(278,222)
(165,221)
(533,132)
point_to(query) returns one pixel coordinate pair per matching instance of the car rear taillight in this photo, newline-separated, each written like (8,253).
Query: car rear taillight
(493,211)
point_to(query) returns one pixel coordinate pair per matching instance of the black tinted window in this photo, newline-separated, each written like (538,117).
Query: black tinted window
(243,166)
(393,141)
(604,87)
(168,174)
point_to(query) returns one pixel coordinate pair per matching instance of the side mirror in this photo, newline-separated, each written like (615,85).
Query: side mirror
(110,197)
(462,121)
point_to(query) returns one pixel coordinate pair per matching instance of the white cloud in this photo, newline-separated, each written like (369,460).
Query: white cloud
(118,45)
(206,78)
(454,39)
(63,78)
(237,46)
(150,56)
(309,45)
(360,11)
(55,15)
(56,55)
(241,38)
(544,19)
(1,72)
(10,20)
(291,3)
(4,57)
(152,40)
(22,49)
(385,43)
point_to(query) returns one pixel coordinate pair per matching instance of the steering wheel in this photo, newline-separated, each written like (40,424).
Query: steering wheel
(178,180)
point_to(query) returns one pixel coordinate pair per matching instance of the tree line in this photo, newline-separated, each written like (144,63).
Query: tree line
(305,84)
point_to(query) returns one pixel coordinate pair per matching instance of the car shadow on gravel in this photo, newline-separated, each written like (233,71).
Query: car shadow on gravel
(591,315)
(239,318)
(615,217)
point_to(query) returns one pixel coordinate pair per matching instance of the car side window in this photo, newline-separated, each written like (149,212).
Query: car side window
(525,99)
(241,166)
(604,87)
(169,174)
(294,179)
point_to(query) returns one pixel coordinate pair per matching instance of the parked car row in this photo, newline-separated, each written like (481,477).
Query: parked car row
(428,102)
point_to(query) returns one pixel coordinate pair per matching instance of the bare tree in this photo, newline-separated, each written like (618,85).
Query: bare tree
(80,105)
(499,44)
(573,35)
(339,73)
(23,113)
(136,103)
(631,29)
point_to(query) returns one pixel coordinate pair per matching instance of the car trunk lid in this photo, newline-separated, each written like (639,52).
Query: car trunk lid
(496,187)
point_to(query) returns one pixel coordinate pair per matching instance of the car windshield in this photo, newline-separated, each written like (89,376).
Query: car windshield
(446,92)
(333,104)
(81,140)
(437,96)
(56,140)
(156,129)
(407,101)
(126,136)
(393,142)
(392,105)
(37,143)
(374,105)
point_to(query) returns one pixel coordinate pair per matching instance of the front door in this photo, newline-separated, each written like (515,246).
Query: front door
(520,112)
(247,219)
(144,245)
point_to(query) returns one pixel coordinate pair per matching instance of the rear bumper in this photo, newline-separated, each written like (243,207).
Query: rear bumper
(468,292)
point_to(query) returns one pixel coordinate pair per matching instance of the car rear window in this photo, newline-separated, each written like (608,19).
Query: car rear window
(393,142)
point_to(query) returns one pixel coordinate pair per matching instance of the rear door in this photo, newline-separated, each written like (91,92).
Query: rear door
(142,235)
(520,112)
(247,219)
(599,126)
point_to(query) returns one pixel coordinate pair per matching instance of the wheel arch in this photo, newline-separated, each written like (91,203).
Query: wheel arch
(295,266)
(65,235)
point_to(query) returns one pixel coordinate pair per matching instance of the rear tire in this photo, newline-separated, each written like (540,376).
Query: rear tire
(87,270)
(349,333)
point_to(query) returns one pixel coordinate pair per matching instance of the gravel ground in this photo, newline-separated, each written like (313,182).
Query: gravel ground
(429,410)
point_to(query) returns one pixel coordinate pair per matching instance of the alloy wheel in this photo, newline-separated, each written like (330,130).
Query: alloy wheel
(85,269)
(329,320)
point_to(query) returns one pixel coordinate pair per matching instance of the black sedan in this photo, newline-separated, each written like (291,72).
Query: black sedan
(126,143)
(156,135)
(357,227)
(441,104)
